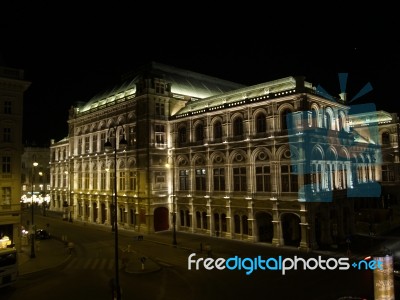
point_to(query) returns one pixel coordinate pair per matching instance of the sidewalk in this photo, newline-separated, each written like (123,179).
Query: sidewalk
(49,254)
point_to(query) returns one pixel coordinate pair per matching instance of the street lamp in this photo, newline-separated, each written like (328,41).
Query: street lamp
(35,164)
(174,242)
(108,146)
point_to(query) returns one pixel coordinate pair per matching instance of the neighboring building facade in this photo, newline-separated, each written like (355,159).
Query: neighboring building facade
(269,163)
(12,88)
(35,179)
(380,214)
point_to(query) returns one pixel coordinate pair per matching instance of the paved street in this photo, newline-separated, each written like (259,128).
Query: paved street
(92,263)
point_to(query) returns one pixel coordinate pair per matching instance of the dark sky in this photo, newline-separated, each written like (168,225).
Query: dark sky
(69,54)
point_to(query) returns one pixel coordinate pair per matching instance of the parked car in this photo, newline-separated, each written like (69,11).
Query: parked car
(42,234)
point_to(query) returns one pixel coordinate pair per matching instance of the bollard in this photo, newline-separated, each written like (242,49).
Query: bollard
(70,247)
(143,259)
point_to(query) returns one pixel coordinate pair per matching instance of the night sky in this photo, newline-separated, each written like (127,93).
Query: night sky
(71,54)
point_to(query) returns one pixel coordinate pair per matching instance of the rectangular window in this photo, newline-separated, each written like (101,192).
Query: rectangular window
(111,182)
(160,135)
(159,177)
(103,181)
(95,180)
(6,195)
(160,87)
(94,143)
(263,179)
(79,146)
(289,181)
(239,179)
(184,180)
(387,173)
(160,109)
(6,164)
(200,179)
(122,186)
(87,144)
(64,180)
(7,135)
(86,184)
(102,141)
(219,179)
(294,184)
(132,181)
(7,107)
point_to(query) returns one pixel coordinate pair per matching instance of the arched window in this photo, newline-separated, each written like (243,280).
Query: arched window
(182,136)
(385,138)
(284,119)
(198,219)
(224,226)
(236,221)
(199,133)
(217,130)
(328,121)
(261,123)
(238,127)
(187,218)
(245,225)
(314,118)
(204,218)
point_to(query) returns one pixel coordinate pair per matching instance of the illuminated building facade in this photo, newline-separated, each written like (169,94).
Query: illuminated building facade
(271,163)
(12,88)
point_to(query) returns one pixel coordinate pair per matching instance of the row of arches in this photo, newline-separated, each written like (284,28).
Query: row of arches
(217,224)
(261,122)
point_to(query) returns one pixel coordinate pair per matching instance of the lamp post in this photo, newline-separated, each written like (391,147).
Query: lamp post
(32,213)
(108,146)
(174,242)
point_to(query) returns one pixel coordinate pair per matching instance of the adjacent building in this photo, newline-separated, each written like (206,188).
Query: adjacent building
(12,88)
(277,162)
(35,180)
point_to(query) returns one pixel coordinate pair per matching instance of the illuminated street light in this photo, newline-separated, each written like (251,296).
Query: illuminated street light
(33,255)
(108,146)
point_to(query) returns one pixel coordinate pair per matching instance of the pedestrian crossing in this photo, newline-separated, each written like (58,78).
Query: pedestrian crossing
(82,263)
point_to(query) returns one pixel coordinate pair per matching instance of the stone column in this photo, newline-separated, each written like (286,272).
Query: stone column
(277,240)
